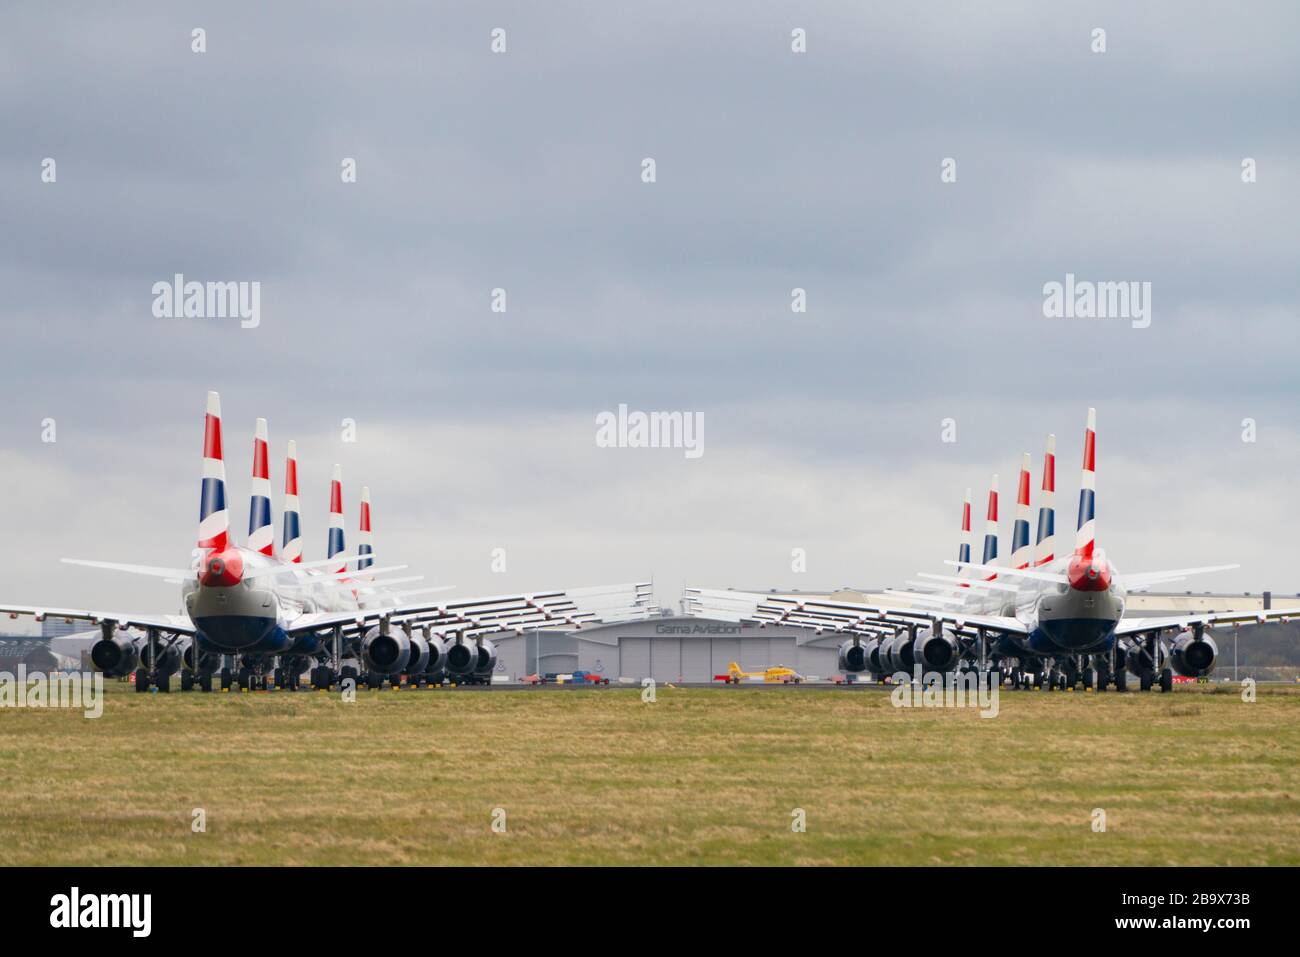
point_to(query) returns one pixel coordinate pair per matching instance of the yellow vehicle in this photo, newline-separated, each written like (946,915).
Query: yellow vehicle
(777,675)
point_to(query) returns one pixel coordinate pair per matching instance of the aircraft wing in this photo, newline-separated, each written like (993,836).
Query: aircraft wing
(178,624)
(571,607)
(1132,626)
(809,611)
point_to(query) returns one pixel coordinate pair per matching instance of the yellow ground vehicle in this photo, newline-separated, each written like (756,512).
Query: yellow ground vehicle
(779,674)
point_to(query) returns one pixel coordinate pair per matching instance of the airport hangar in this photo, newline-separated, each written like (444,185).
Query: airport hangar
(683,648)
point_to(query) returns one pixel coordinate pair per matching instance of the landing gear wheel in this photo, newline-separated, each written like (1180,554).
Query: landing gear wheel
(1144,682)
(141,680)
(165,684)
(227,679)
(1089,677)
(1166,681)
(374,682)
(205,682)
(1121,681)
(187,682)
(247,680)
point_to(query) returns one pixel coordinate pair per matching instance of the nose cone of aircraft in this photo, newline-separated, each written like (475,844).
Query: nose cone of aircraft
(1088,573)
(221,569)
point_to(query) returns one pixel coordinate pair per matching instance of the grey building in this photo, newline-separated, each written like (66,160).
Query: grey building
(689,649)
(672,649)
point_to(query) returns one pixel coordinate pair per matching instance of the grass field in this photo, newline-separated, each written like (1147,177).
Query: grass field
(698,777)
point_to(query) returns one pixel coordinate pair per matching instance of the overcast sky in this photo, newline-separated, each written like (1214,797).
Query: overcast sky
(522,170)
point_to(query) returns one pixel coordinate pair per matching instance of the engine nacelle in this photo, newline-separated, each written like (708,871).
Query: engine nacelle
(462,658)
(209,662)
(487,660)
(160,658)
(882,655)
(419,662)
(117,656)
(901,654)
(935,650)
(385,654)
(874,664)
(437,663)
(1194,657)
(1137,658)
(854,656)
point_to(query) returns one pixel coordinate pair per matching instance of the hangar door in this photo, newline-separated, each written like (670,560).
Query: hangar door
(724,651)
(666,659)
(697,661)
(634,658)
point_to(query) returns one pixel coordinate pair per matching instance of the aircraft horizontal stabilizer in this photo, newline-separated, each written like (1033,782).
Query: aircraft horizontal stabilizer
(151,570)
(1141,579)
(1037,575)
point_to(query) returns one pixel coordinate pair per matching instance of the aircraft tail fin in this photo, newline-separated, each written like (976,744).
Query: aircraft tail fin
(1085,540)
(963,549)
(991,529)
(364,539)
(261,533)
(1021,553)
(214,519)
(1046,544)
(291,545)
(336,518)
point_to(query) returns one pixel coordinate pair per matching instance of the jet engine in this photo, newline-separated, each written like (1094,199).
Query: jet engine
(883,654)
(385,650)
(462,657)
(854,656)
(1194,656)
(901,656)
(209,662)
(117,654)
(935,650)
(419,662)
(160,657)
(437,663)
(487,660)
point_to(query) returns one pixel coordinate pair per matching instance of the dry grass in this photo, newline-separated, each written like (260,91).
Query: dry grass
(700,776)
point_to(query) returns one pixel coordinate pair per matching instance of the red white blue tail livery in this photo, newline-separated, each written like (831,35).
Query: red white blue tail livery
(291,543)
(1021,553)
(1046,544)
(214,520)
(261,533)
(1086,538)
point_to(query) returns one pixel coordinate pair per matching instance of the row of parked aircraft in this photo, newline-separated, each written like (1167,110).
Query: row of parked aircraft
(253,617)
(1034,619)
